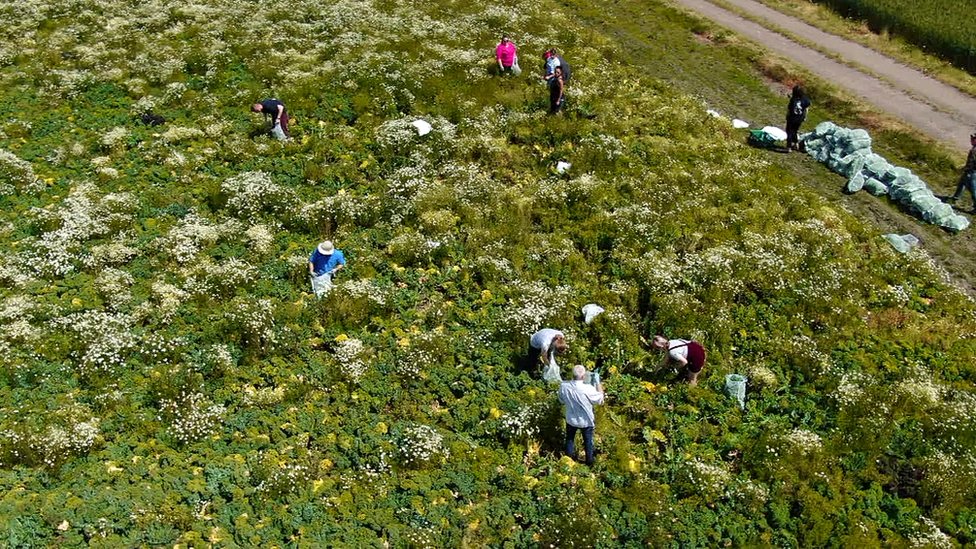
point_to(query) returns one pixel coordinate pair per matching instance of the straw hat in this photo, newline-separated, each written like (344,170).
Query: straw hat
(326,248)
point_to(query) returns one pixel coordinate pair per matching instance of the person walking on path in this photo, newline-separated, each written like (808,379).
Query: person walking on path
(507,56)
(796,113)
(274,109)
(557,89)
(323,264)
(578,398)
(968,179)
(685,353)
(544,345)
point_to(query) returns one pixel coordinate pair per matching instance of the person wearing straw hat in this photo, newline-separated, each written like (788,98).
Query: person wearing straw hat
(683,352)
(323,264)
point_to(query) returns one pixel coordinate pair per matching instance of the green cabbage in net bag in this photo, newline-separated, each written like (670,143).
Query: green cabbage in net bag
(735,387)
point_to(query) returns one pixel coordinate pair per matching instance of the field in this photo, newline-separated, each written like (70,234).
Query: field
(940,26)
(168,379)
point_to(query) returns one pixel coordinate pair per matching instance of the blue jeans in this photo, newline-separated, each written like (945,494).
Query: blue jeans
(587,442)
(966,182)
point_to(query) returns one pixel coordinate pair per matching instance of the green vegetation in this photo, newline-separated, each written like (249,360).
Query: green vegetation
(892,45)
(940,26)
(168,379)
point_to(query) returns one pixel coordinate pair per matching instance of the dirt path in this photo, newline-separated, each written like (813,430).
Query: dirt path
(938,110)
(656,38)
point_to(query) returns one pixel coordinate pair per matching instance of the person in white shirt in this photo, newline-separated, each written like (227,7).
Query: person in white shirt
(685,353)
(579,398)
(544,345)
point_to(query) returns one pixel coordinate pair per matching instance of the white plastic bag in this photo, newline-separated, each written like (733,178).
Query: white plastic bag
(739,124)
(278,133)
(321,284)
(563,167)
(516,69)
(775,133)
(423,128)
(551,372)
(591,311)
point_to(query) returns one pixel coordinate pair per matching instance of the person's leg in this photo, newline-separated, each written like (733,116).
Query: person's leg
(970,179)
(696,361)
(531,361)
(792,127)
(964,183)
(588,444)
(285,119)
(570,441)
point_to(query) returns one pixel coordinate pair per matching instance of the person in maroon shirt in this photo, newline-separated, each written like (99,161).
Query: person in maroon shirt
(274,109)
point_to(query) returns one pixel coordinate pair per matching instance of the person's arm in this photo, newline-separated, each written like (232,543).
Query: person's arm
(311,268)
(970,161)
(544,357)
(682,361)
(562,84)
(340,263)
(596,396)
(664,360)
(277,118)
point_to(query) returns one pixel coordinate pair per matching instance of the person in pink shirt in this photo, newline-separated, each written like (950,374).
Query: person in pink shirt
(506,55)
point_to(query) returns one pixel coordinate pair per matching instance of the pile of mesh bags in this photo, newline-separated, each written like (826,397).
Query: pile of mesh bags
(848,152)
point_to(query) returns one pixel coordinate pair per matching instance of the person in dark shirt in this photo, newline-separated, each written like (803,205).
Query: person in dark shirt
(274,109)
(968,179)
(556,91)
(796,112)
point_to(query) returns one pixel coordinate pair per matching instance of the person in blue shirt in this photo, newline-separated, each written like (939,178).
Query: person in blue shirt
(323,264)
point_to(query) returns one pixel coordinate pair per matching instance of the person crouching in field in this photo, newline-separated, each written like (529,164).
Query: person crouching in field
(274,109)
(685,353)
(323,264)
(544,345)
